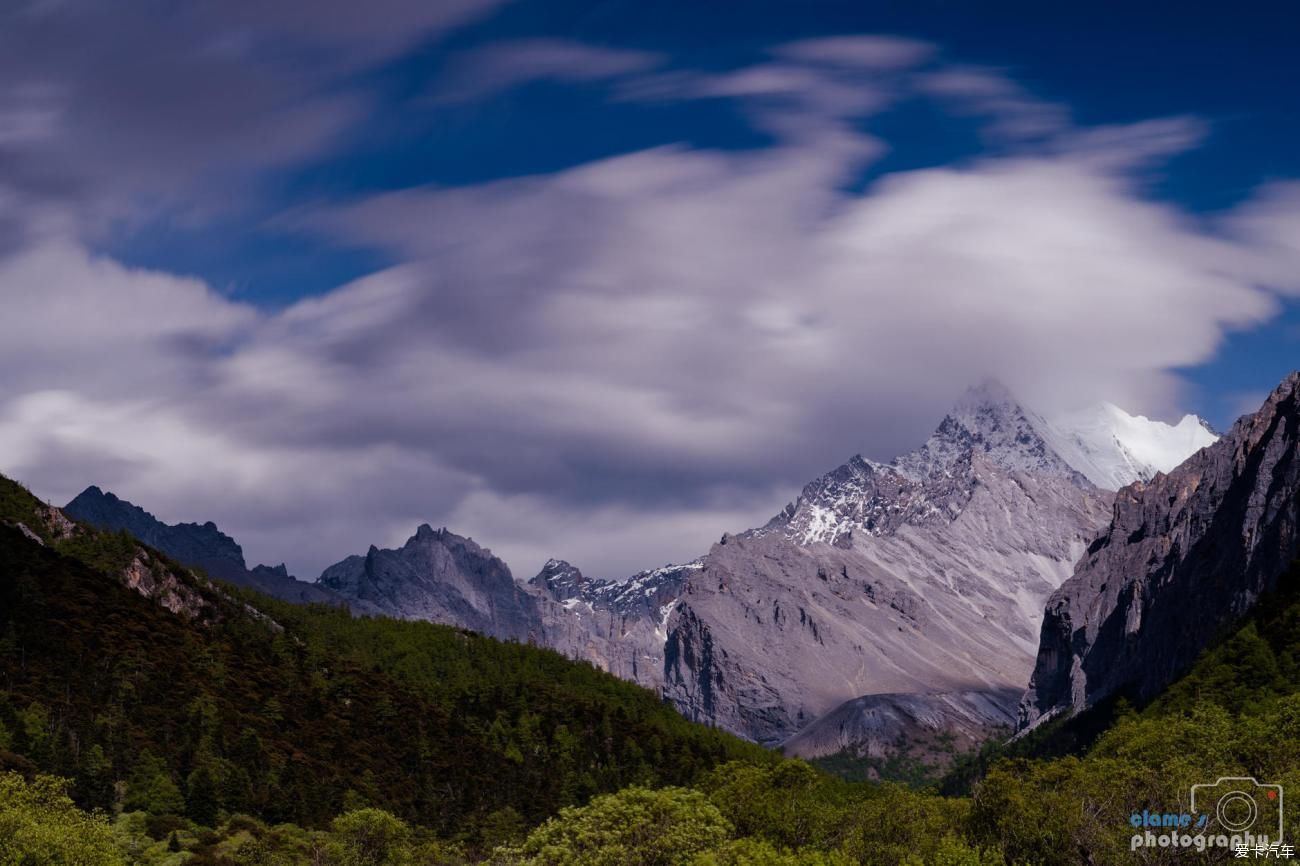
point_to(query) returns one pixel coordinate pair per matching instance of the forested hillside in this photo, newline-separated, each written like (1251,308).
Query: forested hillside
(211,726)
(244,705)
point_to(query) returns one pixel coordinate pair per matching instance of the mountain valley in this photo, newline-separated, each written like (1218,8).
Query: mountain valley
(929,563)
(893,584)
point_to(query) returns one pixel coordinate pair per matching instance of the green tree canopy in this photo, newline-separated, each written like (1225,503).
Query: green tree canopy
(635,827)
(40,826)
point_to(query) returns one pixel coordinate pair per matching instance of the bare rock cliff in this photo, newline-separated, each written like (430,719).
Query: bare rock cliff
(1184,557)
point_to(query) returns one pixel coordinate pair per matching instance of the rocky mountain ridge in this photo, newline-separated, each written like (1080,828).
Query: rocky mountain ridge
(859,586)
(923,577)
(873,725)
(201,546)
(133,563)
(441,577)
(1183,558)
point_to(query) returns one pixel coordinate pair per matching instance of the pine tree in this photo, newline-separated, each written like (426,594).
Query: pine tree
(201,797)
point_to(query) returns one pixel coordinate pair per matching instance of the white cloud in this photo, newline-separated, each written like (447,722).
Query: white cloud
(813,85)
(1268,227)
(500,66)
(1014,113)
(1125,147)
(861,51)
(77,320)
(117,111)
(618,362)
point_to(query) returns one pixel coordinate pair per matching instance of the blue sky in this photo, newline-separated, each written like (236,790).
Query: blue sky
(1116,64)
(602,280)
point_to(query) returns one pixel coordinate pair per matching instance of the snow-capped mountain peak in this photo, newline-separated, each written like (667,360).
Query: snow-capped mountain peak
(1102,446)
(932,483)
(1102,443)
(987,419)
(560,580)
(1114,449)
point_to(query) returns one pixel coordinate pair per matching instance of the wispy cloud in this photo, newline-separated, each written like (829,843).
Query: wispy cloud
(861,52)
(113,111)
(813,86)
(500,66)
(618,361)
(1013,112)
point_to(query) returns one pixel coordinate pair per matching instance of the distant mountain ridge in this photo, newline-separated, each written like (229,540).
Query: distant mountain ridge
(923,577)
(441,577)
(201,546)
(920,576)
(884,561)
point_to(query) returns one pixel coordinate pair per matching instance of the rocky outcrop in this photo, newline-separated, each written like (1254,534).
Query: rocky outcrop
(443,577)
(880,726)
(137,567)
(152,579)
(619,626)
(43,524)
(55,524)
(1184,557)
(559,581)
(201,546)
(29,534)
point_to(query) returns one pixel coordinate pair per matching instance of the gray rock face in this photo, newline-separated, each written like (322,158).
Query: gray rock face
(443,577)
(643,594)
(872,726)
(1184,557)
(155,581)
(619,626)
(923,575)
(196,545)
(440,576)
(560,581)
